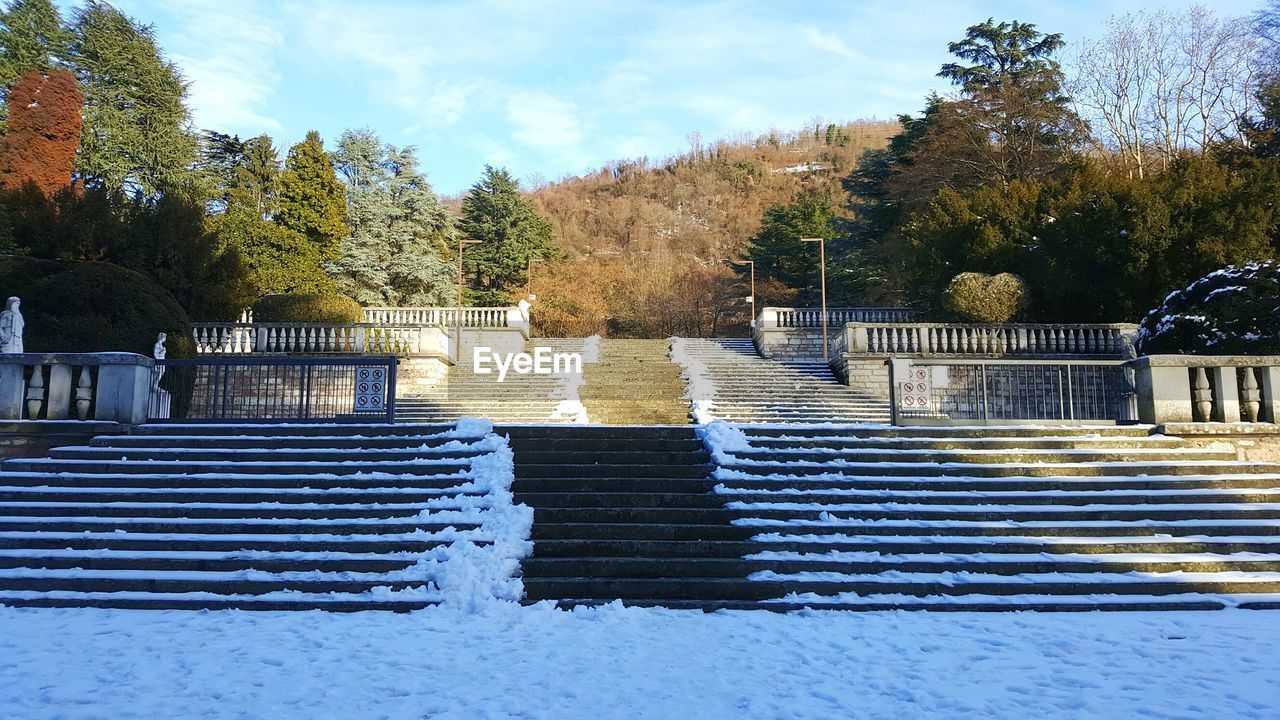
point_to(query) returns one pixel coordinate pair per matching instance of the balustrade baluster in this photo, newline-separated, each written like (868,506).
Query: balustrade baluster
(84,393)
(35,393)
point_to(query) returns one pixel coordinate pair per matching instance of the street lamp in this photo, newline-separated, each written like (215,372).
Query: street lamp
(822,267)
(457,319)
(752,297)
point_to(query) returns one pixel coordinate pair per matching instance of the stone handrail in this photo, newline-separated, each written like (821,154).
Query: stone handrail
(472,317)
(957,339)
(775,317)
(75,386)
(1204,389)
(308,338)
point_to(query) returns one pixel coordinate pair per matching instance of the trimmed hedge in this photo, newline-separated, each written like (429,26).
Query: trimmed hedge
(978,297)
(93,307)
(1233,311)
(303,308)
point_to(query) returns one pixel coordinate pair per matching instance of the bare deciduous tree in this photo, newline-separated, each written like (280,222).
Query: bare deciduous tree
(1161,83)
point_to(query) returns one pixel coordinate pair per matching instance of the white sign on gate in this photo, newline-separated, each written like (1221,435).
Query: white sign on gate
(371,389)
(915,387)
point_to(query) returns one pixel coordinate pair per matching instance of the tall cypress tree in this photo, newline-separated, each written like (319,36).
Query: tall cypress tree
(510,231)
(137,134)
(312,201)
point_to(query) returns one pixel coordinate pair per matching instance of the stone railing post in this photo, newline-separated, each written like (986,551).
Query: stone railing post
(1164,392)
(768,318)
(1269,379)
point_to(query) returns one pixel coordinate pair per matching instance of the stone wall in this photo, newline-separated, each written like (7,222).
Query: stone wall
(789,343)
(869,377)
(34,438)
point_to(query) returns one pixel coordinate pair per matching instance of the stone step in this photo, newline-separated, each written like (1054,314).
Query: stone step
(1066,497)
(611,432)
(905,545)
(175,493)
(192,562)
(671,501)
(968,455)
(621,530)
(988,431)
(284,527)
(280,429)
(321,442)
(1013,483)
(244,455)
(34,541)
(612,471)
(981,470)
(611,456)
(1007,528)
(185,582)
(225,480)
(284,467)
(146,511)
(702,568)
(964,443)
(1001,513)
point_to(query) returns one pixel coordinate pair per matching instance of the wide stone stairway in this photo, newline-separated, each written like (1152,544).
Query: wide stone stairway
(737,385)
(519,398)
(257,517)
(634,382)
(923,518)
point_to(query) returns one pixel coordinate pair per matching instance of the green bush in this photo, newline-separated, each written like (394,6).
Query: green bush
(93,307)
(978,297)
(326,309)
(1233,311)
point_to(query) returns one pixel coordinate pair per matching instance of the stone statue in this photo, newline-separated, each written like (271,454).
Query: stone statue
(525,304)
(158,351)
(11,327)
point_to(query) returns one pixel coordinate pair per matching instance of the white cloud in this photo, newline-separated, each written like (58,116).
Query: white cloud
(232,67)
(544,122)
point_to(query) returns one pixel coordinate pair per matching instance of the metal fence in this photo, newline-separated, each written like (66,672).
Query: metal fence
(248,389)
(1010,391)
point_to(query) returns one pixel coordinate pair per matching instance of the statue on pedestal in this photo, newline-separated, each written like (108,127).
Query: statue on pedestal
(158,351)
(11,327)
(525,304)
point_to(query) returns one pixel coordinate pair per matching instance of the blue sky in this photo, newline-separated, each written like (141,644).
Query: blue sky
(554,88)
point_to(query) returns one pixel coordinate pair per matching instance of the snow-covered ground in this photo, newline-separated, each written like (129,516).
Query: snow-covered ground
(505,661)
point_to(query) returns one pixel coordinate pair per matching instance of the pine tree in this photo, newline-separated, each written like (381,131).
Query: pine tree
(400,233)
(312,201)
(137,134)
(31,37)
(510,231)
(44,132)
(777,249)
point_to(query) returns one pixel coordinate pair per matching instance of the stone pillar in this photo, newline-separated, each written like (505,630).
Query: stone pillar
(1226,400)
(1164,393)
(12,391)
(59,407)
(1270,382)
(123,392)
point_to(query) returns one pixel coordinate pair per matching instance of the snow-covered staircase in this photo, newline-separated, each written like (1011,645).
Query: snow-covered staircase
(728,380)
(519,398)
(341,517)
(998,518)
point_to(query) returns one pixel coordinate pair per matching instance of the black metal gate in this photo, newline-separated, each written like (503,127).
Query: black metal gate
(274,389)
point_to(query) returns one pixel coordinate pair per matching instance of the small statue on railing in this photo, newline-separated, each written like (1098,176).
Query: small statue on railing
(11,327)
(525,304)
(158,351)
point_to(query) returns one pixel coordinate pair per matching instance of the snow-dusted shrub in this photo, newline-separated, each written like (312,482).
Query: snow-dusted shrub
(1233,311)
(978,297)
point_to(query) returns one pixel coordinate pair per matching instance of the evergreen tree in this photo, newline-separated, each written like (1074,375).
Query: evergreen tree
(312,201)
(400,234)
(778,251)
(137,128)
(31,37)
(276,259)
(510,231)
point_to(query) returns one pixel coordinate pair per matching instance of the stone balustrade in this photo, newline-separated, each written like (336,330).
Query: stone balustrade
(75,386)
(776,317)
(961,340)
(305,338)
(472,317)
(1207,389)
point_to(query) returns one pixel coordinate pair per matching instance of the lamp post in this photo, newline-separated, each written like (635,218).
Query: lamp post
(752,297)
(822,268)
(528,274)
(457,319)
